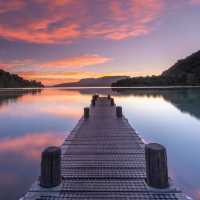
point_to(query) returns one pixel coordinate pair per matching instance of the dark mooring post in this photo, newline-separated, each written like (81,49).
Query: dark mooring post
(108,96)
(112,102)
(119,111)
(50,167)
(95,97)
(93,102)
(156,166)
(86,113)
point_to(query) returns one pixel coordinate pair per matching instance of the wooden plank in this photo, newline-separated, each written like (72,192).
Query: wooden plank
(103,158)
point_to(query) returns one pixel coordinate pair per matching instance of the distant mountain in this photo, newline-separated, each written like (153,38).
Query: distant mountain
(184,72)
(105,81)
(8,80)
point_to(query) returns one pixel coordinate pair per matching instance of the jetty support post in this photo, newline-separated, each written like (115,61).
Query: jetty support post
(119,111)
(86,113)
(94,98)
(112,102)
(50,167)
(109,97)
(93,102)
(156,166)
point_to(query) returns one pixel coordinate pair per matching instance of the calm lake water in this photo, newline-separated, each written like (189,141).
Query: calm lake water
(31,120)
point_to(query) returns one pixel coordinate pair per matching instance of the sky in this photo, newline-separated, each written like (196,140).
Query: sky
(56,41)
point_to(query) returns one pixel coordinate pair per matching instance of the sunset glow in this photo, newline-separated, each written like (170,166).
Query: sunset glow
(58,41)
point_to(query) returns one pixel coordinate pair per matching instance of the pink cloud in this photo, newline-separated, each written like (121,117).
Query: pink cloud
(195,2)
(65,20)
(3,65)
(116,33)
(37,36)
(37,28)
(11,65)
(132,18)
(11,5)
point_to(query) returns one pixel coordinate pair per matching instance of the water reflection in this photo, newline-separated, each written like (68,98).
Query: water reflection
(33,119)
(170,117)
(8,96)
(185,99)
(30,121)
(20,158)
(20,145)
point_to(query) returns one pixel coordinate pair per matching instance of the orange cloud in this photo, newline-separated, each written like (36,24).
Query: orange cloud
(45,70)
(49,78)
(63,21)
(80,61)
(35,143)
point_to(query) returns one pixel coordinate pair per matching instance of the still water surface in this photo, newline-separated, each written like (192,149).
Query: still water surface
(31,120)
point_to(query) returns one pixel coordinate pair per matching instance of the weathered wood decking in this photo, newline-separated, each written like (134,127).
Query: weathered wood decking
(103,158)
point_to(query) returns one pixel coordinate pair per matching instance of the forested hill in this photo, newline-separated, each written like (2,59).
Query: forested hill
(8,80)
(188,69)
(184,72)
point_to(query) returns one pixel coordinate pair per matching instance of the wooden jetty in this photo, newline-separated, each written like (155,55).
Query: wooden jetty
(104,158)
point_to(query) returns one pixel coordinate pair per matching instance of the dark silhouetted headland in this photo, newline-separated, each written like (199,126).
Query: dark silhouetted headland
(8,80)
(105,81)
(184,72)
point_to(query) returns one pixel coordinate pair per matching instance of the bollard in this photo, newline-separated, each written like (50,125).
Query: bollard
(112,102)
(95,97)
(50,167)
(86,113)
(119,111)
(93,102)
(156,166)
(109,97)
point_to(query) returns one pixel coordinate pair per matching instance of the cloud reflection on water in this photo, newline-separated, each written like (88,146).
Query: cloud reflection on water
(30,146)
(32,121)
(20,159)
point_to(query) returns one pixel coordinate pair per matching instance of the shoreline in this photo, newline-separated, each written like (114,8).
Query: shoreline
(108,87)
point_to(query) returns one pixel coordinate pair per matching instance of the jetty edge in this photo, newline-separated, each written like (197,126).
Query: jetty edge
(104,158)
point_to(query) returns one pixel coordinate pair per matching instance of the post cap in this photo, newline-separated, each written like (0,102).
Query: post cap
(155,146)
(51,149)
